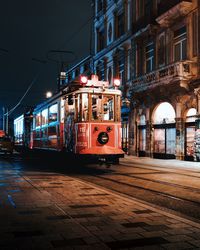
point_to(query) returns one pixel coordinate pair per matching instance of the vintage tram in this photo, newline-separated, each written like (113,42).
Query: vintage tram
(82,120)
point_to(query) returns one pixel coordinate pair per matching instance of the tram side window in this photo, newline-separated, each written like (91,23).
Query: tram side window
(38,120)
(44,117)
(53,113)
(85,107)
(96,107)
(109,111)
(82,107)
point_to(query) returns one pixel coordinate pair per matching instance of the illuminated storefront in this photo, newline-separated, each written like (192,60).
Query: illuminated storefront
(164,131)
(190,133)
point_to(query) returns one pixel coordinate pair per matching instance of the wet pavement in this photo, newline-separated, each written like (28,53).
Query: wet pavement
(51,210)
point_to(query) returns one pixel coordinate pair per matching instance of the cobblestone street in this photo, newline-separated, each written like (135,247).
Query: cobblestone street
(46,210)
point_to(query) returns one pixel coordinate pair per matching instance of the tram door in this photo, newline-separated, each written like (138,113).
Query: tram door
(125,136)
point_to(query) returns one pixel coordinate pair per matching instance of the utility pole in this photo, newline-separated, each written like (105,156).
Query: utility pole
(3,119)
(7,123)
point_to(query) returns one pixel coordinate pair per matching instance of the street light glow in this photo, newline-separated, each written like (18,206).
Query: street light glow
(48,94)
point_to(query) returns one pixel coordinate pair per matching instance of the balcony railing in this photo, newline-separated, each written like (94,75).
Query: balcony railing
(179,71)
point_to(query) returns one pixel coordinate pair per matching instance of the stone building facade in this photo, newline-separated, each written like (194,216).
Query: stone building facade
(165,79)
(153,46)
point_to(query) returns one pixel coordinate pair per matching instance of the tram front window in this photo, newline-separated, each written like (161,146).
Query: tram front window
(103,107)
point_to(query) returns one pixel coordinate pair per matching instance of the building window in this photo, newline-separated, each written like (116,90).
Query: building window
(119,22)
(99,5)
(139,59)
(101,40)
(194,31)
(148,8)
(77,72)
(139,9)
(100,70)
(110,32)
(180,44)
(149,57)
(119,62)
(161,50)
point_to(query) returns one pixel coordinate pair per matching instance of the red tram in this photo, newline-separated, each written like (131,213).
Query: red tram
(83,119)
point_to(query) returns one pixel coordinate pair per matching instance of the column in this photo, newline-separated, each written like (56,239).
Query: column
(197,132)
(180,133)
(149,134)
(132,132)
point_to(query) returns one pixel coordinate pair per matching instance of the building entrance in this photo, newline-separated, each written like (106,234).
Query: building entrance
(164,131)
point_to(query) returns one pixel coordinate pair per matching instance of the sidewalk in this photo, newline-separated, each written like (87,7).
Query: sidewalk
(168,163)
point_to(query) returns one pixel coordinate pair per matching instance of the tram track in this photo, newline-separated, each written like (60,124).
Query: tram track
(185,206)
(175,205)
(193,189)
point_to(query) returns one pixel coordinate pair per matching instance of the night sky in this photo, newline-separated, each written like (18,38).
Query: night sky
(29,29)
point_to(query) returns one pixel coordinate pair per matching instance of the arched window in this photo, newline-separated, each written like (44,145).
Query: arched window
(164,113)
(142,120)
(191,115)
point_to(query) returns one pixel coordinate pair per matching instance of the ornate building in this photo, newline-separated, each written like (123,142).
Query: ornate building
(154,47)
(165,100)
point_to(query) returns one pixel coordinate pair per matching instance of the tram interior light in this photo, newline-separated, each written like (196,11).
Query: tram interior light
(83,80)
(116,82)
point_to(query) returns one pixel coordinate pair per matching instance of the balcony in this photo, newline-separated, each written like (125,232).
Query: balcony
(169,11)
(180,72)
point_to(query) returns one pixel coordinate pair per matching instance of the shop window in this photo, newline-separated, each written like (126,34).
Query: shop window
(142,139)
(159,141)
(190,133)
(170,140)
(53,113)
(164,131)
(142,133)
(180,44)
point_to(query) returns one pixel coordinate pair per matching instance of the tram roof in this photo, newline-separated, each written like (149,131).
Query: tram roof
(72,89)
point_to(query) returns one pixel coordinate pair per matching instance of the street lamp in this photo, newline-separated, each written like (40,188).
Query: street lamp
(49,94)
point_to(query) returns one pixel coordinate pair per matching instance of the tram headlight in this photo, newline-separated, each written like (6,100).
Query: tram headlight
(103,138)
